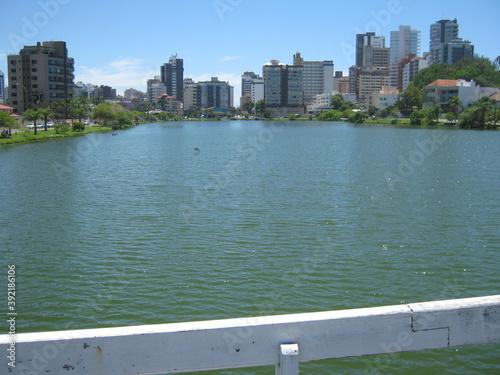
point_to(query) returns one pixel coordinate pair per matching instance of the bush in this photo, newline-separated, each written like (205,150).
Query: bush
(78,126)
(357,117)
(61,128)
(332,115)
(416,117)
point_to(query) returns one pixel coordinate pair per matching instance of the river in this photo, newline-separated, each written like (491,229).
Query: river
(264,218)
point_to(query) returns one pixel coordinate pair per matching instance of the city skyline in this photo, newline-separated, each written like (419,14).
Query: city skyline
(124,44)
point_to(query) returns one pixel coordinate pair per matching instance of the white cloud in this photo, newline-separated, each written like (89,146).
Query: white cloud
(229,58)
(120,74)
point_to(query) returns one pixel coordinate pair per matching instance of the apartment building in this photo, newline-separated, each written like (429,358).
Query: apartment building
(40,75)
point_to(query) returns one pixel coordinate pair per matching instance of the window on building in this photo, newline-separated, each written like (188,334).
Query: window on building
(13,70)
(33,70)
(34,61)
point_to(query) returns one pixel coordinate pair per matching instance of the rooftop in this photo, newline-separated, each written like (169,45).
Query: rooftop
(445,82)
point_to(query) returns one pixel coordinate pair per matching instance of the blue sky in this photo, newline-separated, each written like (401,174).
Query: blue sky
(123,43)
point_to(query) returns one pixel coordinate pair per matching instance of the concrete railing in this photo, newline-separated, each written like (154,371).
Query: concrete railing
(282,340)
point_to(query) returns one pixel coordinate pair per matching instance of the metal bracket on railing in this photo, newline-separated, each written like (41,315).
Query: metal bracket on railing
(289,360)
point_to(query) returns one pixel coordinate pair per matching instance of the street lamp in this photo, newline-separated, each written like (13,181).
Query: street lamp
(25,99)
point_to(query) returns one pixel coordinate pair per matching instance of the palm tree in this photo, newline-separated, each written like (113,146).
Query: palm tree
(82,107)
(434,112)
(455,104)
(31,116)
(481,109)
(45,115)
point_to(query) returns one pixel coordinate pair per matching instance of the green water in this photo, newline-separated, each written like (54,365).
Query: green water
(267,218)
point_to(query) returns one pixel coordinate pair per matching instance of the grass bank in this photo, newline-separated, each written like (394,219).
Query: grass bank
(25,136)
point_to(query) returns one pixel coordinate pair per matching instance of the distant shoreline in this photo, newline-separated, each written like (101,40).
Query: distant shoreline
(23,136)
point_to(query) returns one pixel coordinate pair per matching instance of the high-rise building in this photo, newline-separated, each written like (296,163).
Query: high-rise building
(445,45)
(155,88)
(2,87)
(404,41)
(317,76)
(246,80)
(366,83)
(257,90)
(375,56)
(412,67)
(214,94)
(283,88)
(104,93)
(371,70)
(40,75)
(131,94)
(190,94)
(172,76)
(367,39)
(249,79)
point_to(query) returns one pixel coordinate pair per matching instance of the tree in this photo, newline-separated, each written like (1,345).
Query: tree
(416,117)
(480,69)
(390,111)
(232,111)
(260,107)
(357,117)
(411,98)
(81,107)
(105,111)
(45,115)
(331,115)
(248,106)
(455,104)
(371,111)
(337,101)
(432,113)
(146,107)
(136,116)
(162,102)
(480,115)
(7,121)
(31,115)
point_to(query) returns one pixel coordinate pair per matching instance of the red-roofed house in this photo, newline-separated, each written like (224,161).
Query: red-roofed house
(6,109)
(167,103)
(442,90)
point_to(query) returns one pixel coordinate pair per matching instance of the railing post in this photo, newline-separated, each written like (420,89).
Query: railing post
(289,360)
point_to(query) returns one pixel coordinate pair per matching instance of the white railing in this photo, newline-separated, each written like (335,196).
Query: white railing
(281,340)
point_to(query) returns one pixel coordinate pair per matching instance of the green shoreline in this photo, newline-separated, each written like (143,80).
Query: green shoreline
(24,137)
